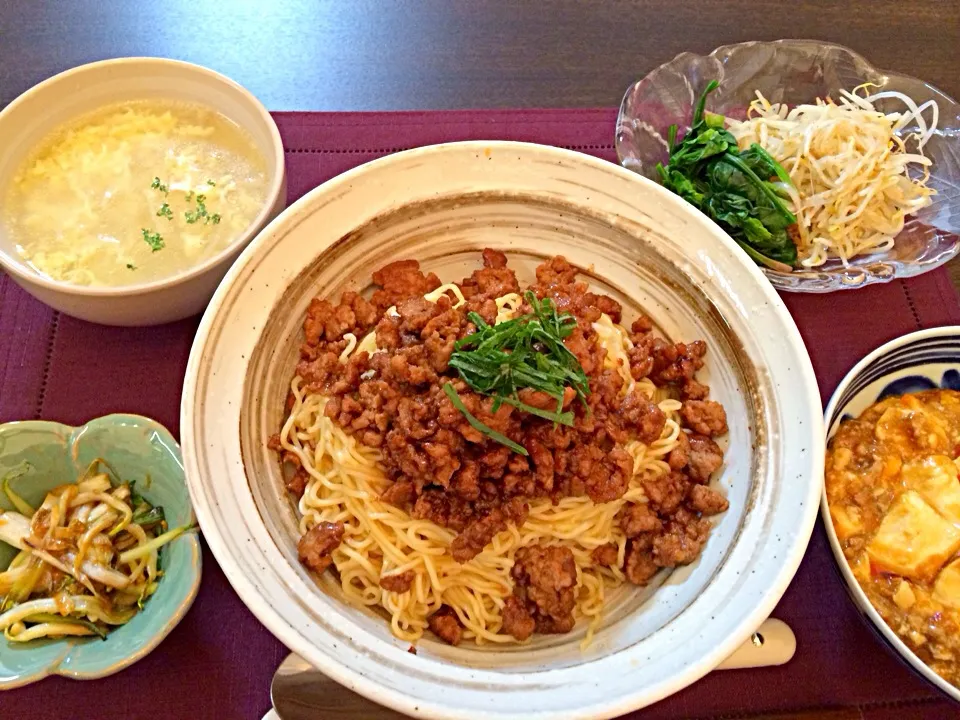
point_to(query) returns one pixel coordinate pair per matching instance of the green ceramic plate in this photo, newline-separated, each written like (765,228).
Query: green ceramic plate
(136,446)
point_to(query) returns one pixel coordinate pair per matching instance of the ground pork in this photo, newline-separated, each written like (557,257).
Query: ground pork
(443,469)
(318,543)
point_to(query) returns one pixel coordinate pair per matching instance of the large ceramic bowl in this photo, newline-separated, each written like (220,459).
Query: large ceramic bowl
(638,243)
(137,447)
(27,119)
(923,360)
(799,71)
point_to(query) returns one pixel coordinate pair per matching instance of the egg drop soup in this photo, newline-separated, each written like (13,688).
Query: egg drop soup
(132,193)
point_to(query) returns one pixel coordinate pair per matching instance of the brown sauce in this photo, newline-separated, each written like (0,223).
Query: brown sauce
(894,493)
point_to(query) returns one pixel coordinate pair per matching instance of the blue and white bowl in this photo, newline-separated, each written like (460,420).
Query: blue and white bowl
(923,360)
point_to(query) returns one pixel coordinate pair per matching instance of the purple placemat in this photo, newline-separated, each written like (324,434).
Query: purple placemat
(219,661)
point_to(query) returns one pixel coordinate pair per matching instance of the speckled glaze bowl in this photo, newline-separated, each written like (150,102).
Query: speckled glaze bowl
(136,446)
(636,242)
(25,121)
(799,71)
(923,360)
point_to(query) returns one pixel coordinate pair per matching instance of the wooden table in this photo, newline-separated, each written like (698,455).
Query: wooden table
(438,54)
(432,54)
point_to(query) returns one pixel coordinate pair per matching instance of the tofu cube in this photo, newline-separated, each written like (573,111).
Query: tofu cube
(947,588)
(913,540)
(935,478)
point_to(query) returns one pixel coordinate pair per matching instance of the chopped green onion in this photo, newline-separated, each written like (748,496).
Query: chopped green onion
(155,544)
(24,585)
(21,505)
(147,591)
(94,466)
(147,516)
(67,620)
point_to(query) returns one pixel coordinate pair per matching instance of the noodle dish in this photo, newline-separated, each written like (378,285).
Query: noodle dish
(503,430)
(488,460)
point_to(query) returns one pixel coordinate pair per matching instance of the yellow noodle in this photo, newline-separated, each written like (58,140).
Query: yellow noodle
(346,481)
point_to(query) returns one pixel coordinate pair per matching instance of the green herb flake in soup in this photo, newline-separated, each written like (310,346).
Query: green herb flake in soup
(153,239)
(105,192)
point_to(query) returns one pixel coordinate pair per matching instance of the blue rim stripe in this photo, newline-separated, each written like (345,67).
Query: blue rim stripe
(920,352)
(942,350)
(874,373)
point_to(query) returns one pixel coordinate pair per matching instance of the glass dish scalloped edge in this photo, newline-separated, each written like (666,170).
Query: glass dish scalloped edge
(798,71)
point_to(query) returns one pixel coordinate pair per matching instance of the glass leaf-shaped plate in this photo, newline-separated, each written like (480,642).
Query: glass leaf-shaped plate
(799,71)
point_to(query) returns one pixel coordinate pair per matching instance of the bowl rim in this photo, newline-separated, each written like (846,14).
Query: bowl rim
(16,267)
(854,590)
(174,617)
(344,673)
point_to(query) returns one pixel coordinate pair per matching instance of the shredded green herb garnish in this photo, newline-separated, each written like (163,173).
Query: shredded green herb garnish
(153,239)
(131,266)
(479,426)
(211,183)
(157,185)
(526,352)
(165,211)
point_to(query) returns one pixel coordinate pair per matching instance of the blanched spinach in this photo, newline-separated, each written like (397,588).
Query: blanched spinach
(735,188)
